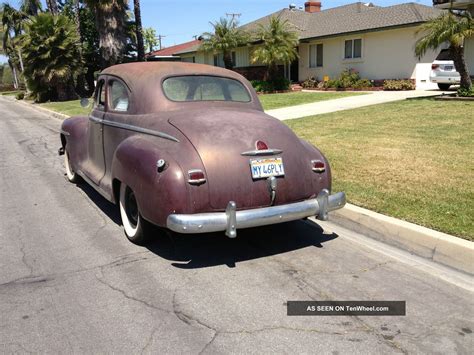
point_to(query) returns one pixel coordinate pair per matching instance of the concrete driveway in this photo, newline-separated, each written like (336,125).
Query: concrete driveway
(70,282)
(346,103)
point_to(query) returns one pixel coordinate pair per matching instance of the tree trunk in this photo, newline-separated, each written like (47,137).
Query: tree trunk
(139,29)
(110,22)
(228,60)
(52,6)
(457,54)
(81,79)
(16,84)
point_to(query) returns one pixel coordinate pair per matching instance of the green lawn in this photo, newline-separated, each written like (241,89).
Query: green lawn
(70,108)
(411,159)
(9,93)
(272,101)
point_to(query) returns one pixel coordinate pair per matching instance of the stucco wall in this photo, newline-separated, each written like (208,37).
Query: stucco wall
(385,55)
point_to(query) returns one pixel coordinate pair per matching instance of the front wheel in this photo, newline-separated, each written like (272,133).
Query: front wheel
(133,223)
(444,86)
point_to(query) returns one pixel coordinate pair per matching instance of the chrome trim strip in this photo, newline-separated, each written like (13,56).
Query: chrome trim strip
(64,132)
(95,119)
(256,152)
(140,130)
(224,221)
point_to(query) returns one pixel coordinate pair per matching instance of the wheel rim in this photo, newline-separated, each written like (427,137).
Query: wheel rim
(69,171)
(131,208)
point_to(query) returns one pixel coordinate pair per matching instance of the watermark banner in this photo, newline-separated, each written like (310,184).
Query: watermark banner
(346,308)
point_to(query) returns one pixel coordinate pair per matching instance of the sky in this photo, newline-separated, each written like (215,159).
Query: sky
(179,20)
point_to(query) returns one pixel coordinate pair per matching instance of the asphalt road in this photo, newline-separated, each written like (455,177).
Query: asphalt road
(70,282)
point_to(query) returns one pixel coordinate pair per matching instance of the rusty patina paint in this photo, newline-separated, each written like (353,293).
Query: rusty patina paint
(211,136)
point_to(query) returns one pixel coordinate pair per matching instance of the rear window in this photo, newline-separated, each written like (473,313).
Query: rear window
(444,55)
(204,88)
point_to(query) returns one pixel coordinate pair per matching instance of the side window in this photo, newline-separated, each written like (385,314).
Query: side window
(119,98)
(100,95)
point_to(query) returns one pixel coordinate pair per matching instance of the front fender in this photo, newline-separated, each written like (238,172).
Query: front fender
(73,138)
(158,193)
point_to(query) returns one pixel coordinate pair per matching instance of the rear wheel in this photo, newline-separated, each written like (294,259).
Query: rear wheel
(70,173)
(444,86)
(134,225)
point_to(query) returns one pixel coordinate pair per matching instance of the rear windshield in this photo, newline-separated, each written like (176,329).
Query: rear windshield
(444,55)
(204,88)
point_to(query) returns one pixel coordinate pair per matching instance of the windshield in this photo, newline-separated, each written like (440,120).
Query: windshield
(204,88)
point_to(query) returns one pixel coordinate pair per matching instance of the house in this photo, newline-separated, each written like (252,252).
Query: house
(169,53)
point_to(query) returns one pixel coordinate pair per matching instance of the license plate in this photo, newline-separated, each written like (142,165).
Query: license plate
(448,67)
(262,168)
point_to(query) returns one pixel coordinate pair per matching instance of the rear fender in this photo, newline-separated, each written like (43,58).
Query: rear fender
(320,180)
(159,192)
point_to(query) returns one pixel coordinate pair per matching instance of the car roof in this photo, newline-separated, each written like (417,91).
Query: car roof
(144,73)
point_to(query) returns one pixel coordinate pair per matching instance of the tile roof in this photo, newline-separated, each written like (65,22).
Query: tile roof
(170,51)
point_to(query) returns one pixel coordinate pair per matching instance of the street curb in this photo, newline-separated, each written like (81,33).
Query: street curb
(442,248)
(55,114)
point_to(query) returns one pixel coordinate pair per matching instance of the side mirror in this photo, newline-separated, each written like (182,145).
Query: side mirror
(85,102)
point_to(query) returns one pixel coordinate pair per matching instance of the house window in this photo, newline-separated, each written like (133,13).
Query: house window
(234,59)
(353,49)
(316,55)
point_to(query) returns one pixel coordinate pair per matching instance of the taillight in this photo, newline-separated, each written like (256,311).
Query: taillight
(318,166)
(261,145)
(196,177)
(434,66)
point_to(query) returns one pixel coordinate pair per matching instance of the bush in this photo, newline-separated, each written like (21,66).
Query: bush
(20,96)
(310,83)
(348,78)
(362,83)
(279,84)
(466,93)
(392,85)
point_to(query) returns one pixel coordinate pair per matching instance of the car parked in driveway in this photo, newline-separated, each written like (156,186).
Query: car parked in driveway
(443,72)
(188,147)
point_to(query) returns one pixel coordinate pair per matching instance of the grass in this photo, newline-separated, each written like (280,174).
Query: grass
(10,93)
(410,159)
(272,101)
(70,108)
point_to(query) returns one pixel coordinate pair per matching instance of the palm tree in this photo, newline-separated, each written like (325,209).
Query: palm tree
(139,30)
(52,6)
(12,22)
(30,7)
(226,37)
(51,54)
(149,37)
(111,21)
(278,46)
(453,29)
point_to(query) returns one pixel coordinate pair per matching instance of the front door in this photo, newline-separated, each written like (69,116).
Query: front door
(95,164)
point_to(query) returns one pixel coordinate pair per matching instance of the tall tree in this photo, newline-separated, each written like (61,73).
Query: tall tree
(52,6)
(12,22)
(139,30)
(279,43)
(452,28)
(30,7)
(111,23)
(226,37)
(149,36)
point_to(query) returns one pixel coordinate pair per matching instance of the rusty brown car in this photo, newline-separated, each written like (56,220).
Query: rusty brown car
(188,147)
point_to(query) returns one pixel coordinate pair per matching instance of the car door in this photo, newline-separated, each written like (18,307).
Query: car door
(96,162)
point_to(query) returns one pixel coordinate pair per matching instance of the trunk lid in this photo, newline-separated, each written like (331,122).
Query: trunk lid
(220,137)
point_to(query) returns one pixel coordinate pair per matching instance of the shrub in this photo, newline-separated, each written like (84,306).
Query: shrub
(348,78)
(20,95)
(310,83)
(279,84)
(335,84)
(362,83)
(392,85)
(466,93)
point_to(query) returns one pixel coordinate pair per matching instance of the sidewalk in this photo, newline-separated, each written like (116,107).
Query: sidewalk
(346,103)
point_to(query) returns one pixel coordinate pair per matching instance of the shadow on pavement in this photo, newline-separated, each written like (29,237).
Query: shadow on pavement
(213,249)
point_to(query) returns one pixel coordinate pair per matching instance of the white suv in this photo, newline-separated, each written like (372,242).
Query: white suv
(443,71)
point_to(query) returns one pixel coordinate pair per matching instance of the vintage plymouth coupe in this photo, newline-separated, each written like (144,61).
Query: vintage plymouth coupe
(188,147)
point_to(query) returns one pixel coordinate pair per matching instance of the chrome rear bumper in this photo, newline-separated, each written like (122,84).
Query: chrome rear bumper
(231,220)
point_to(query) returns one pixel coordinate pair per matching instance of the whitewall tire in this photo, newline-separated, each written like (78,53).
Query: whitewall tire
(70,173)
(133,223)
